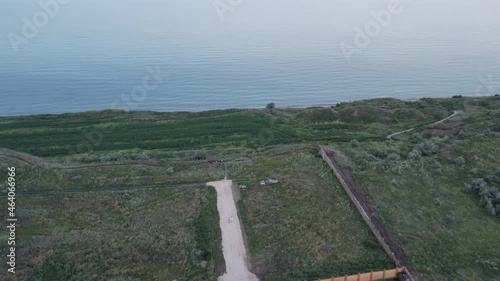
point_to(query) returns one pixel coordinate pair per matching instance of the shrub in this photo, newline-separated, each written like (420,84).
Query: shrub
(489,197)
(393,157)
(200,154)
(76,178)
(462,135)
(490,208)
(106,158)
(492,179)
(488,132)
(354,143)
(428,148)
(370,158)
(416,138)
(436,166)
(478,184)
(380,150)
(460,160)
(270,106)
(414,155)
(143,156)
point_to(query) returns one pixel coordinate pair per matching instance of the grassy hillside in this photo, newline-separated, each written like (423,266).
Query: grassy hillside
(135,235)
(418,187)
(100,132)
(103,174)
(303,228)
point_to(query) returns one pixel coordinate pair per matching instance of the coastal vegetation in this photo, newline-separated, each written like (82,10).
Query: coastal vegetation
(108,173)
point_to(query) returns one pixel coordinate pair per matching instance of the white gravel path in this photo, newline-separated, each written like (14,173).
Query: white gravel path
(233,246)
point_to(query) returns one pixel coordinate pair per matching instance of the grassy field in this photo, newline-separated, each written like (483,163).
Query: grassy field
(444,230)
(135,235)
(303,228)
(125,135)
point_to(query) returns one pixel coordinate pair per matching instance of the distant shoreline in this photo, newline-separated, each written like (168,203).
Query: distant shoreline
(278,106)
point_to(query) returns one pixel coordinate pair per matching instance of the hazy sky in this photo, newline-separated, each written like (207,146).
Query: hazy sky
(335,16)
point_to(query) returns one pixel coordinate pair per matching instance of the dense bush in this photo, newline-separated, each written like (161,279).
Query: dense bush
(489,196)
(428,148)
(354,143)
(393,157)
(437,166)
(416,138)
(460,160)
(462,135)
(414,155)
(370,158)
(200,155)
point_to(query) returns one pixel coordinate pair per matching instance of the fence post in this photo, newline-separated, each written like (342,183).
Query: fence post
(371,275)
(359,276)
(383,274)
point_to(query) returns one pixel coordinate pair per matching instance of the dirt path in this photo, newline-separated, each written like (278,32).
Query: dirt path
(455,113)
(106,189)
(233,246)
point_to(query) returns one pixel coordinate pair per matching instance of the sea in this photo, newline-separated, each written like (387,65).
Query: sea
(59,56)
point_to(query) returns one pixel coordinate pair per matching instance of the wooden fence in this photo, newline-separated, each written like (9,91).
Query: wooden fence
(372,276)
(368,215)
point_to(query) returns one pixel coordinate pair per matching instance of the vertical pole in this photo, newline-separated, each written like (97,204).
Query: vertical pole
(383,275)
(371,275)
(359,276)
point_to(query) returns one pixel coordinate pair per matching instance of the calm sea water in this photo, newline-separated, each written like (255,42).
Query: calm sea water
(93,53)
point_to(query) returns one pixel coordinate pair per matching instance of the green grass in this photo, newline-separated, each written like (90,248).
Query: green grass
(107,131)
(141,235)
(301,229)
(305,227)
(444,231)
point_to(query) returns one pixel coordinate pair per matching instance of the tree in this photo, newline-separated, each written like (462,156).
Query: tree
(270,106)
